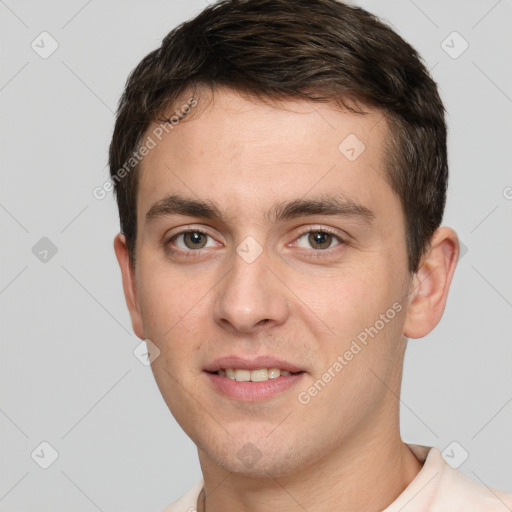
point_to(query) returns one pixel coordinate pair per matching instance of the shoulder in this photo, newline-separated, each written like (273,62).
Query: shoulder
(187,502)
(440,488)
(459,492)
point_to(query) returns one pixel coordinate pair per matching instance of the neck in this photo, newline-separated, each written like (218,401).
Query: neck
(365,474)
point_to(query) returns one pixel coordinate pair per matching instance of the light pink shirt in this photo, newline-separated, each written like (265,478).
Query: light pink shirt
(436,488)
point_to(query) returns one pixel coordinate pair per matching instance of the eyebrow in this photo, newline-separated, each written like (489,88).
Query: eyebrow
(336,205)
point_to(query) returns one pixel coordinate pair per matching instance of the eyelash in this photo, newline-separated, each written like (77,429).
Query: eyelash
(193,253)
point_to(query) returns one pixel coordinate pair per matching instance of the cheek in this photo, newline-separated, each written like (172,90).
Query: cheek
(363,310)
(173,314)
(172,308)
(346,299)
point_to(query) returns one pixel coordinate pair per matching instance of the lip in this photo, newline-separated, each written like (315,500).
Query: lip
(253,391)
(244,363)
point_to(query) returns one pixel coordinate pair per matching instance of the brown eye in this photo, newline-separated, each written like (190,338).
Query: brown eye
(194,239)
(320,239)
(190,240)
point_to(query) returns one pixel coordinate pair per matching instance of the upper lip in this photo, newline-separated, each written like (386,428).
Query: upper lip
(244,363)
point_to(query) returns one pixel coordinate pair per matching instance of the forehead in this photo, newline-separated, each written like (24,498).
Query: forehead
(244,155)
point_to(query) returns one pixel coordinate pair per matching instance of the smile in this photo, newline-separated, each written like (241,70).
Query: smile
(259,375)
(243,385)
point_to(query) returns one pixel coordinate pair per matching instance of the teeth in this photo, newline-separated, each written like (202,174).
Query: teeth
(273,373)
(259,375)
(243,375)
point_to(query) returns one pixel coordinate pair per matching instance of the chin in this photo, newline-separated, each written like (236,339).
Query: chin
(276,467)
(258,457)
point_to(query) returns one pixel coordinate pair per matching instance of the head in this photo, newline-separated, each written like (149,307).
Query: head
(313,129)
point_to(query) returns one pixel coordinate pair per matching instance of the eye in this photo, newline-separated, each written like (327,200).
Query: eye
(191,239)
(320,239)
(188,243)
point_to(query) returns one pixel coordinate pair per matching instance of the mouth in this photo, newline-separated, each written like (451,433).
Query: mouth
(257,375)
(251,380)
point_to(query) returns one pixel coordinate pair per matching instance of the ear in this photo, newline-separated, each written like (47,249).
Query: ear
(129,284)
(429,287)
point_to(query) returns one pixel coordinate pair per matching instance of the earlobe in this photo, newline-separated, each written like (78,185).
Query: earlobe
(429,288)
(129,284)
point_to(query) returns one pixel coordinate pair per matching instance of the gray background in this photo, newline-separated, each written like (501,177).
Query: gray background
(68,373)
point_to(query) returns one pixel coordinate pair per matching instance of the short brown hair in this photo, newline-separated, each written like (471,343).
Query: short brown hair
(320,50)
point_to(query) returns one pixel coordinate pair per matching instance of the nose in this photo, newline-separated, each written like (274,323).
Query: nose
(250,297)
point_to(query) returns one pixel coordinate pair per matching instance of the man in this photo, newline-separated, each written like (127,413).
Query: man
(281,171)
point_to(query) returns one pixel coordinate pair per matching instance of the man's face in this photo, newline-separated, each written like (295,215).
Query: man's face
(249,284)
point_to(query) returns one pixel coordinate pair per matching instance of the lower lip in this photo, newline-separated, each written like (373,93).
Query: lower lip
(253,391)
